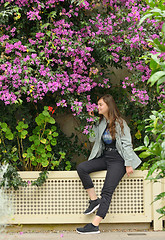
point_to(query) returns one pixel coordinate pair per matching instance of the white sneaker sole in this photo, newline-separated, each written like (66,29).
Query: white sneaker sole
(87,232)
(94,209)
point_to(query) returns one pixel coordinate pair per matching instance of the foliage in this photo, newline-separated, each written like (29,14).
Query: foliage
(11,179)
(154,148)
(154,141)
(40,180)
(37,145)
(30,152)
(157,57)
(38,154)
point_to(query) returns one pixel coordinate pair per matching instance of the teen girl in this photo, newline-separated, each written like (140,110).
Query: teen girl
(112,151)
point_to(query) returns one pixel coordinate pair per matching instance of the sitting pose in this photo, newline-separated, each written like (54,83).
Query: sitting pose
(112,151)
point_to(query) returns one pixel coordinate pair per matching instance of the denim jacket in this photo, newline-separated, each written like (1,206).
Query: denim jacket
(123,143)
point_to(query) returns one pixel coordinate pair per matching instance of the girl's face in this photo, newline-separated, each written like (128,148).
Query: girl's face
(103,108)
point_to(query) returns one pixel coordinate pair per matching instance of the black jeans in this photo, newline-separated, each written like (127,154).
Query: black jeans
(114,164)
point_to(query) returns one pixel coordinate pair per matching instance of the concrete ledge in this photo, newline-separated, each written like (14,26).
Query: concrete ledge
(71,227)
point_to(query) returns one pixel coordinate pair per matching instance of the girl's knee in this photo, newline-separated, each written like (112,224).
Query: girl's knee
(81,167)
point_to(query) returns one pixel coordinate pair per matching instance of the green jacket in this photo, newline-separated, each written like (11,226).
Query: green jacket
(123,143)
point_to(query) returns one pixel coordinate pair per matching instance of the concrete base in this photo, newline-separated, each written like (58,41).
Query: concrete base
(105,227)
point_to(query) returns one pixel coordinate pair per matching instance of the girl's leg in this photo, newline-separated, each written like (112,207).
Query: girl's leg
(115,172)
(87,167)
(84,169)
(91,193)
(97,220)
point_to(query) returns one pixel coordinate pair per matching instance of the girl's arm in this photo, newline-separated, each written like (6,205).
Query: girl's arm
(127,146)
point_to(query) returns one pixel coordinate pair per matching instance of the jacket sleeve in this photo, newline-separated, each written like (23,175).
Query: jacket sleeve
(95,133)
(127,147)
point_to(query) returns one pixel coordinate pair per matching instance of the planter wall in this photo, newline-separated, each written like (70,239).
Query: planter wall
(62,200)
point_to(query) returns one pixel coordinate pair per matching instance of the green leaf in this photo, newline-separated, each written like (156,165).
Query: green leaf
(55,134)
(6,4)
(145,154)
(161,80)
(40,119)
(43,141)
(25,126)
(54,128)
(21,126)
(24,155)
(40,149)
(49,137)
(161,211)
(31,138)
(45,25)
(46,108)
(45,163)
(33,147)
(156,10)
(144,18)
(34,163)
(155,166)
(55,163)
(15,158)
(159,196)
(138,134)
(9,136)
(51,120)
(49,155)
(62,154)
(141,148)
(146,140)
(42,53)
(48,33)
(46,113)
(153,64)
(155,122)
(4,127)
(54,142)
(44,156)
(37,142)
(145,166)
(48,147)
(24,133)
(53,13)
(155,77)
(163,28)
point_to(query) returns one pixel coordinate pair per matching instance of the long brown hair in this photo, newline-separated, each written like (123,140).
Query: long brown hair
(113,114)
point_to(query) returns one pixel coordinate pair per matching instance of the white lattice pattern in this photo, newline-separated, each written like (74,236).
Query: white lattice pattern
(67,196)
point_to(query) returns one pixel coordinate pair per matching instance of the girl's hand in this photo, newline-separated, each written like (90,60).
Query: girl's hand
(129,170)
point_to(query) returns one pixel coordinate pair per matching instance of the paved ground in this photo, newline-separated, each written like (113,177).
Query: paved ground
(72,235)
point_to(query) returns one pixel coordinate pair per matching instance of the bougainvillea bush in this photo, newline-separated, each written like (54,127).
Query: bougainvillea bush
(63,51)
(55,46)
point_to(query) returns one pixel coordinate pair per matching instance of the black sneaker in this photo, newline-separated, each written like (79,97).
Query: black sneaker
(88,229)
(93,205)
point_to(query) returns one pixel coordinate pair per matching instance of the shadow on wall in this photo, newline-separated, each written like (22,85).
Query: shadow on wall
(68,123)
